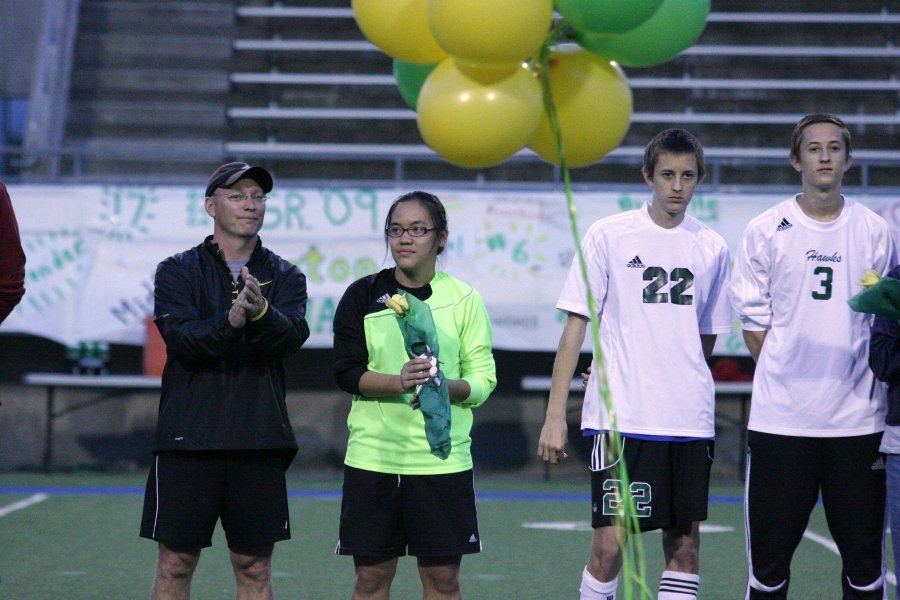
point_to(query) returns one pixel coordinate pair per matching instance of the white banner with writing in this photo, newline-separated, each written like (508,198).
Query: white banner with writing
(92,251)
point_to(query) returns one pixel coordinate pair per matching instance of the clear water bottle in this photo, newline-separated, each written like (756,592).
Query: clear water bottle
(84,358)
(92,360)
(103,358)
(73,357)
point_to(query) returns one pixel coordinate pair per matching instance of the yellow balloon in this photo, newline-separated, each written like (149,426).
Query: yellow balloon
(477,116)
(593,106)
(490,31)
(399,28)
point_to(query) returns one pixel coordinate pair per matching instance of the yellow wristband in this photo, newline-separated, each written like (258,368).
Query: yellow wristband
(262,312)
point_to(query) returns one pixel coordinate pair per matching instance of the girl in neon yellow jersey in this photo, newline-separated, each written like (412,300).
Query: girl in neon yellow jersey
(398,497)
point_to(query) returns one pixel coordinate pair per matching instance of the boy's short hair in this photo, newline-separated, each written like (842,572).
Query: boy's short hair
(676,141)
(808,120)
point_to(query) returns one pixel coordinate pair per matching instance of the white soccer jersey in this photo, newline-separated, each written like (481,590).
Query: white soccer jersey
(793,277)
(656,290)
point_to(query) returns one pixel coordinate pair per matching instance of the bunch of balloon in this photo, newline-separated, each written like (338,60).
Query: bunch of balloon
(664,29)
(487,77)
(477,100)
(589,93)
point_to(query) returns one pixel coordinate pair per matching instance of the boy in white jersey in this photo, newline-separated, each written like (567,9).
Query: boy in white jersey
(817,412)
(659,278)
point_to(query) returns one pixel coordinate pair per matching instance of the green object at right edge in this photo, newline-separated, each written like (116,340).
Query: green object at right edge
(882,299)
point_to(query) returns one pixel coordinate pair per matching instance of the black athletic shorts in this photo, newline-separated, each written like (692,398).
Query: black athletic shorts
(188,492)
(425,515)
(669,481)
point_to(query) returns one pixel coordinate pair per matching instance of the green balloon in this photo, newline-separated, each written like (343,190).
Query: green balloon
(673,28)
(606,16)
(410,79)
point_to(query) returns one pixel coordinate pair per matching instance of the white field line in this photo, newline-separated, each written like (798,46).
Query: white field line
(821,540)
(31,500)
(825,542)
(586,526)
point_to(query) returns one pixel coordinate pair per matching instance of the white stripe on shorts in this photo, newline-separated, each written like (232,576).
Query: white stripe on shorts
(156,485)
(600,458)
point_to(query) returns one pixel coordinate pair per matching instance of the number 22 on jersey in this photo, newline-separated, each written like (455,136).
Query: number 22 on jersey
(682,281)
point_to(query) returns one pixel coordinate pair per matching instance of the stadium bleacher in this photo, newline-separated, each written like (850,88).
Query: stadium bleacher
(168,89)
(740,88)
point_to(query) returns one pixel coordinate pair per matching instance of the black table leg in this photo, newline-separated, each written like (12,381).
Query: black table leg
(48,434)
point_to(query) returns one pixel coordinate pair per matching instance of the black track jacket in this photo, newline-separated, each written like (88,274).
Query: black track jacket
(223,388)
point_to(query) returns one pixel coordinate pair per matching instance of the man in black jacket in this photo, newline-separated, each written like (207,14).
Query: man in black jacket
(229,311)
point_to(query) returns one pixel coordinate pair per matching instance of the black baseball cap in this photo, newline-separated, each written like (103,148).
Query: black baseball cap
(229,173)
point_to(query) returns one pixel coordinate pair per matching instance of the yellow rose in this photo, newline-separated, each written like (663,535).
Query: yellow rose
(869,278)
(398,304)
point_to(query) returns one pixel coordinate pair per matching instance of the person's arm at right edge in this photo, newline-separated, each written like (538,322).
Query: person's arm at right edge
(552,444)
(12,258)
(884,349)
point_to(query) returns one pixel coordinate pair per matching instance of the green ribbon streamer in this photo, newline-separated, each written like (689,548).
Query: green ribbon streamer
(633,565)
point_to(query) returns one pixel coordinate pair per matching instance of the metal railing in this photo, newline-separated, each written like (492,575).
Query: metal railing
(71,161)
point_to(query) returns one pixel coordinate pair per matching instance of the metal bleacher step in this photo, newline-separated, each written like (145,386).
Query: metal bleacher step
(152,114)
(148,70)
(150,81)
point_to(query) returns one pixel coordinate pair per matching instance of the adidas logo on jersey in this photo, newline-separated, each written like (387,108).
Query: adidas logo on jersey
(785,224)
(384,298)
(472,539)
(878,465)
(635,263)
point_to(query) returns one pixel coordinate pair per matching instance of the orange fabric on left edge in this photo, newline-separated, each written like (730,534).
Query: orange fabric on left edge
(154,350)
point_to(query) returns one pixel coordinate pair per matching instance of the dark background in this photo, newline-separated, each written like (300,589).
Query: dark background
(309,369)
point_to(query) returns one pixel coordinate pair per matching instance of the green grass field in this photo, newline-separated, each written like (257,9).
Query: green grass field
(80,542)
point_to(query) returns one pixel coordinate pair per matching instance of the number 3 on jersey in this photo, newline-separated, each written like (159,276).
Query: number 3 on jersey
(682,280)
(827,275)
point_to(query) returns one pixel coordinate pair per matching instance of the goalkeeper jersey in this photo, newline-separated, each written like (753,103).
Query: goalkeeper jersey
(792,277)
(657,290)
(386,434)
